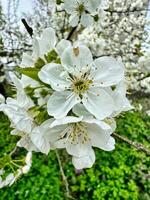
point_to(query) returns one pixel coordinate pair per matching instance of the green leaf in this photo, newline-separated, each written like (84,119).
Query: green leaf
(30,72)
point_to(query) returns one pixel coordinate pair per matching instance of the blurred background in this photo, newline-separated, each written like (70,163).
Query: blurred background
(123,31)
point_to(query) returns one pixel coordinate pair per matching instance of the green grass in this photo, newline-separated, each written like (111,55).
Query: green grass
(117,175)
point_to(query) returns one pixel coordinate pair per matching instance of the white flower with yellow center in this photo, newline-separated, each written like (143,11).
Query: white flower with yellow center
(78,135)
(81,11)
(41,46)
(79,79)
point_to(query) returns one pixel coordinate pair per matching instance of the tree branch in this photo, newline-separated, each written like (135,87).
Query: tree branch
(63,176)
(28,28)
(71,33)
(136,145)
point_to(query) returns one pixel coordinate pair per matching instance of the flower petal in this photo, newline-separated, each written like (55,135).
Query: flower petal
(70,5)
(92,5)
(74,19)
(62,45)
(106,71)
(27,144)
(27,61)
(76,60)
(60,103)
(54,75)
(86,20)
(98,102)
(66,120)
(39,139)
(98,136)
(80,110)
(84,162)
(78,150)
(120,99)
(36,49)
(47,41)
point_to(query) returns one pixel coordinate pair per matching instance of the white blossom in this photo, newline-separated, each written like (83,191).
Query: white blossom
(80,79)
(78,135)
(81,11)
(41,46)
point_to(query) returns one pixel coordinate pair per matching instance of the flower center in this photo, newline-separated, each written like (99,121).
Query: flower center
(80,8)
(81,85)
(78,133)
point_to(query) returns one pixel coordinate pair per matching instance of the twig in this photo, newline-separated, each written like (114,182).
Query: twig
(136,145)
(71,33)
(28,28)
(63,175)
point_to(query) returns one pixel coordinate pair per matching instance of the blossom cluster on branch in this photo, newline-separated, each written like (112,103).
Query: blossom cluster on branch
(67,95)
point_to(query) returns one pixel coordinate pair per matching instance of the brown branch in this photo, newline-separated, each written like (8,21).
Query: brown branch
(126,11)
(136,145)
(71,33)
(63,176)
(28,28)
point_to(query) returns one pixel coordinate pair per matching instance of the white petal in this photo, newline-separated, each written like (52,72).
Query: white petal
(53,75)
(106,71)
(27,144)
(80,110)
(62,45)
(98,102)
(92,5)
(60,103)
(15,80)
(39,139)
(36,49)
(27,61)
(110,146)
(120,99)
(84,162)
(66,120)
(74,19)
(78,150)
(70,5)
(47,41)
(98,136)
(101,124)
(76,59)
(27,81)
(23,100)
(86,20)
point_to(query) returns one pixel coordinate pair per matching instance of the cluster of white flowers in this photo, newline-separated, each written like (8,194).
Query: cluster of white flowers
(80,96)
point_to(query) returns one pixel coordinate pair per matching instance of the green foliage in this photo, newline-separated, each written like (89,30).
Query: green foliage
(30,72)
(51,57)
(39,63)
(118,175)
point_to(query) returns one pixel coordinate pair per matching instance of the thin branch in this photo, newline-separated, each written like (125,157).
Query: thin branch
(28,28)
(126,11)
(136,145)
(71,33)
(63,175)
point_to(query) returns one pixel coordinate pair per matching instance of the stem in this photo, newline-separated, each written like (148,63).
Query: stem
(63,175)
(14,151)
(136,145)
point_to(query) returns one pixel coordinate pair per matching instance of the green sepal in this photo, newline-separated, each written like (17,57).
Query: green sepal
(51,56)
(39,63)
